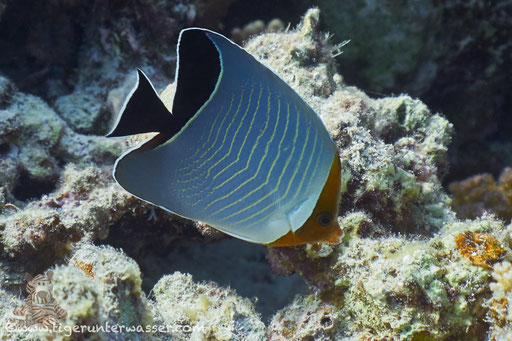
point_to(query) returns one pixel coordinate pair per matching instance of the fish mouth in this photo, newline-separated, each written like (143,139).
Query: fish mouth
(335,237)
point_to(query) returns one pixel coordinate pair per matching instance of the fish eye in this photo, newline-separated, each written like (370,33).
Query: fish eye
(323,218)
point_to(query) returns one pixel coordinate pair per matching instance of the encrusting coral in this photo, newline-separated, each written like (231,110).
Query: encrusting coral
(407,268)
(482,249)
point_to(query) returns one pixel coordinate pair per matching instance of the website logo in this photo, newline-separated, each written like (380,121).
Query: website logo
(40,309)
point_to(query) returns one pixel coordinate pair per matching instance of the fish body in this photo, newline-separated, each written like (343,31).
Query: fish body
(241,151)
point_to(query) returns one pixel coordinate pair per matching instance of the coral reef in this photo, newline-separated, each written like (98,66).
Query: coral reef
(211,312)
(392,45)
(30,133)
(453,54)
(471,87)
(407,268)
(393,151)
(499,304)
(80,111)
(393,288)
(181,309)
(82,208)
(481,193)
(85,50)
(389,148)
(87,35)
(240,35)
(112,297)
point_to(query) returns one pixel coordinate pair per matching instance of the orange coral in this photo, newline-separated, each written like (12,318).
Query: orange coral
(498,310)
(85,267)
(482,249)
(480,193)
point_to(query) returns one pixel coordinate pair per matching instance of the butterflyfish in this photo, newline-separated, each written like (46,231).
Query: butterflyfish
(235,148)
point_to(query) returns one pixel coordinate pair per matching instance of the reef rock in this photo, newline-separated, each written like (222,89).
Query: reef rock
(98,287)
(209,312)
(381,284)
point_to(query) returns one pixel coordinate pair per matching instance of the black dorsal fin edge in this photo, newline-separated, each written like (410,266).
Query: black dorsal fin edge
(197,72)
(143,111)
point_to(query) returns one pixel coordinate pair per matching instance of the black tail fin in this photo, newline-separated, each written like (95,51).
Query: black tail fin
(143,112)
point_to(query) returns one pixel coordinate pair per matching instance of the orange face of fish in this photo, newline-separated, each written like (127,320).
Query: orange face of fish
(322,225)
